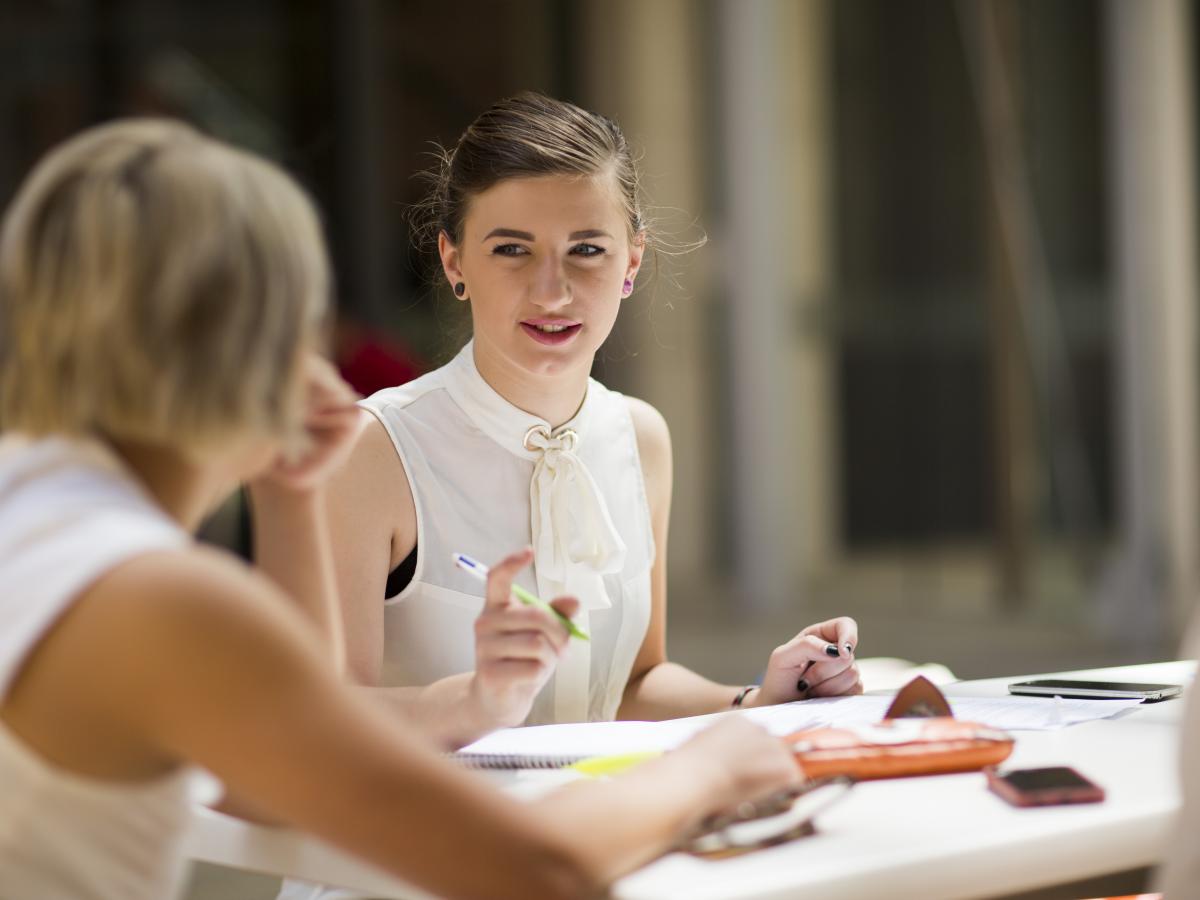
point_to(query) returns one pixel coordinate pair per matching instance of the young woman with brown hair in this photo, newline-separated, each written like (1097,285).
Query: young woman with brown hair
(538,219)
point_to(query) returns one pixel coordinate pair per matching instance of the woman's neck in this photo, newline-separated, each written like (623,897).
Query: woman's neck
(186,491)
(555,398)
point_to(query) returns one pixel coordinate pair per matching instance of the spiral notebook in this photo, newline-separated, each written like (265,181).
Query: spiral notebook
(555,746)
(514,760)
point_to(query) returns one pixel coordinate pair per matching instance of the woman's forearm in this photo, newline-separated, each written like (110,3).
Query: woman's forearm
(291,547)
(446,712)
(668,691)
(671,796)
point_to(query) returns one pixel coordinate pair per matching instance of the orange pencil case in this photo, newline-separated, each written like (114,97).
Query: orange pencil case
(918,736)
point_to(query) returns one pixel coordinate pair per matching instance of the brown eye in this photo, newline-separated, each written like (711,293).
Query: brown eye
(508,250)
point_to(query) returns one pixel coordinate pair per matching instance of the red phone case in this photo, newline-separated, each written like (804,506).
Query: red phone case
(1086,792)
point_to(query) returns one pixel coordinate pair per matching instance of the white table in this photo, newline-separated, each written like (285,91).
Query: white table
(939,837)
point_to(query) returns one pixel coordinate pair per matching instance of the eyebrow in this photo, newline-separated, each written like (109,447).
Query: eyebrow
(508,232)
(528,236)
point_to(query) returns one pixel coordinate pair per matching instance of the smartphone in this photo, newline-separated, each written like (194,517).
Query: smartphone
(1044,787)
(1095,690)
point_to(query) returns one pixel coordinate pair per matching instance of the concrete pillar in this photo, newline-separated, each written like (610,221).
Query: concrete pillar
(1151,89)
(732,116)
(774,77)
(642,66)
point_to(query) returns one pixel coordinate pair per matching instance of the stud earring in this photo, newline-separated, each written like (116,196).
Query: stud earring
(459,289)
(628,287)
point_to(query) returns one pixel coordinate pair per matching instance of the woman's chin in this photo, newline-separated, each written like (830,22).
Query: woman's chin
(557,362)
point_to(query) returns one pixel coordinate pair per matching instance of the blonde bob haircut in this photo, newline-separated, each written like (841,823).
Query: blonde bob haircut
(158,286)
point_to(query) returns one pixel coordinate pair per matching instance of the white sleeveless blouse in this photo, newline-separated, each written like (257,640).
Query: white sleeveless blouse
(69,512)
(488,478)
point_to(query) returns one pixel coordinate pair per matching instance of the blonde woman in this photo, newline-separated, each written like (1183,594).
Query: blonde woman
(159,299)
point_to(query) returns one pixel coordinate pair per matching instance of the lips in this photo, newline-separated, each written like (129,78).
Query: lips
(551,332)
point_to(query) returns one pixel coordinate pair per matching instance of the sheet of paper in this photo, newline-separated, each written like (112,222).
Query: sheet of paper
(1037,713)
(1008,713)
(607,738)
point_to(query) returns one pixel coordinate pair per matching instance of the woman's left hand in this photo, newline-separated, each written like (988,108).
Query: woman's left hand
(818,662)
(331,421)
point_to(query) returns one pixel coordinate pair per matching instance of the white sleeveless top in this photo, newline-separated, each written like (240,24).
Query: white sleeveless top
(69,512)
(488,478)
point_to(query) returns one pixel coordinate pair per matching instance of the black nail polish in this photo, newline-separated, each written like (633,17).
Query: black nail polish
(802,686)
(832,650)
(849,649)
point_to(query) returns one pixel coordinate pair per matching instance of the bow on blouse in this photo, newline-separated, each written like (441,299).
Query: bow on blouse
(573,533)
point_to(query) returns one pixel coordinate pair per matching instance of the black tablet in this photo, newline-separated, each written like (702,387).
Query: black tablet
(1095,690)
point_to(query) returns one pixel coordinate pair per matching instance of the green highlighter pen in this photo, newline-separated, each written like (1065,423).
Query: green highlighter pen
(480,571)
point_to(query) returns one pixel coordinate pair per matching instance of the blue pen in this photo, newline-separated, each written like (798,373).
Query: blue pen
(480,571)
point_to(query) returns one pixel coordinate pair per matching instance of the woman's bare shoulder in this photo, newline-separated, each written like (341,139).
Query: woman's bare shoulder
(168,593)
(374,476)
(653,435)
(154,636)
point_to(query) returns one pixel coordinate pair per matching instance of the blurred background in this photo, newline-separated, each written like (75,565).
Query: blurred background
(935,367)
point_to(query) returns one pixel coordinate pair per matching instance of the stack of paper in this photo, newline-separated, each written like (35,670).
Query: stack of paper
(559,744)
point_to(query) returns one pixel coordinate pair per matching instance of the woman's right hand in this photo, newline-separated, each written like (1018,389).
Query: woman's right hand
(516,646)
(746,762)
